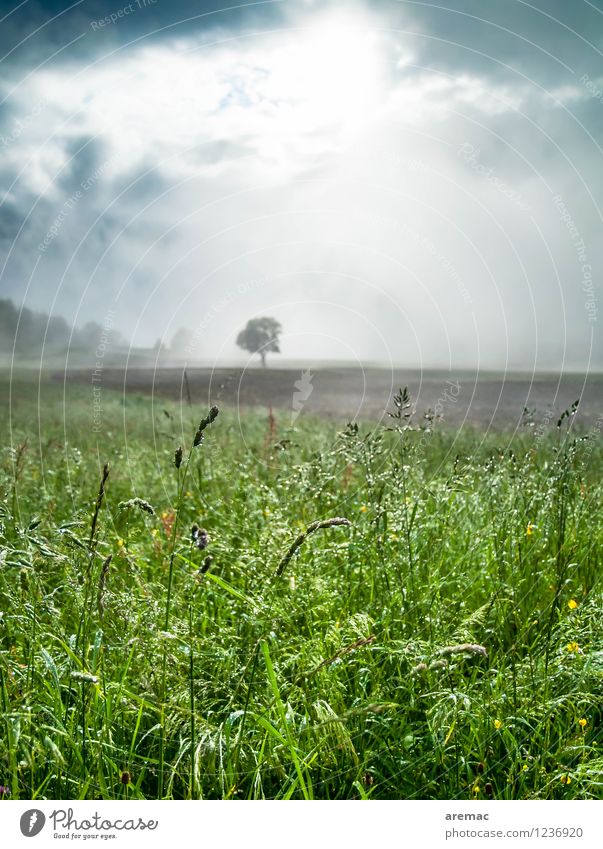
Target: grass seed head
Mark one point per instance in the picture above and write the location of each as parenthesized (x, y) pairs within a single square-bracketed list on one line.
[(137, 502), (213, 414), (209, 419), (84, 677), (200, 537), (312, 527), (100, 598), (470, 648)]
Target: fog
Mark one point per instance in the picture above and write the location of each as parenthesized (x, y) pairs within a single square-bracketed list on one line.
[(395, 183)]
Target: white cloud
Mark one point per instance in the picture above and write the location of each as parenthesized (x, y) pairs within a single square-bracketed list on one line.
[(323, 159), (285, 99)]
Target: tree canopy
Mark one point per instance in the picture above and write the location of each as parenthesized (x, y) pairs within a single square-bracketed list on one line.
[(260, 336), (181, 340), (29, 332)]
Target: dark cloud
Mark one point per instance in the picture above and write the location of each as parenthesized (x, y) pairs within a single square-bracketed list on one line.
[(10, 221), (35, 31), (539, 40)]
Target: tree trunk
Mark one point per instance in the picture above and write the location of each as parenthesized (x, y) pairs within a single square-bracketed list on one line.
[(263, 356)]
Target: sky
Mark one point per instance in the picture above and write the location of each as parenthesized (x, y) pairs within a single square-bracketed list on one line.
[(395, 181)]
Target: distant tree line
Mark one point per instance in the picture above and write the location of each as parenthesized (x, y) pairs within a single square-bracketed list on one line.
[(28, 331)]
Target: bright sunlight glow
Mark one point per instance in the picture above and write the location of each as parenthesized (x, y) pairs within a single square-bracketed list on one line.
[(329, 74)]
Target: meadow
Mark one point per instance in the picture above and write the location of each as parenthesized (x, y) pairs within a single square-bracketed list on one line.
[(182, 620)]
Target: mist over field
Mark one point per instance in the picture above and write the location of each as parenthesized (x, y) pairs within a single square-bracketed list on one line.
[(395, 183)]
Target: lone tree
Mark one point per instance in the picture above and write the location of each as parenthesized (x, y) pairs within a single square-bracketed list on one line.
[(260, 336), (181, 340)]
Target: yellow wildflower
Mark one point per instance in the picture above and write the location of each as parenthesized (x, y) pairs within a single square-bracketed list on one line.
[(573, 647), (120, 543), (582, 723), (364, 508), (497, 724), (566, 779), (530, 529), (476, 790), (572, 604)]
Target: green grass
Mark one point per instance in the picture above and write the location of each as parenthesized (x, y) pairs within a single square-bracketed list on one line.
[(358, 672)]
